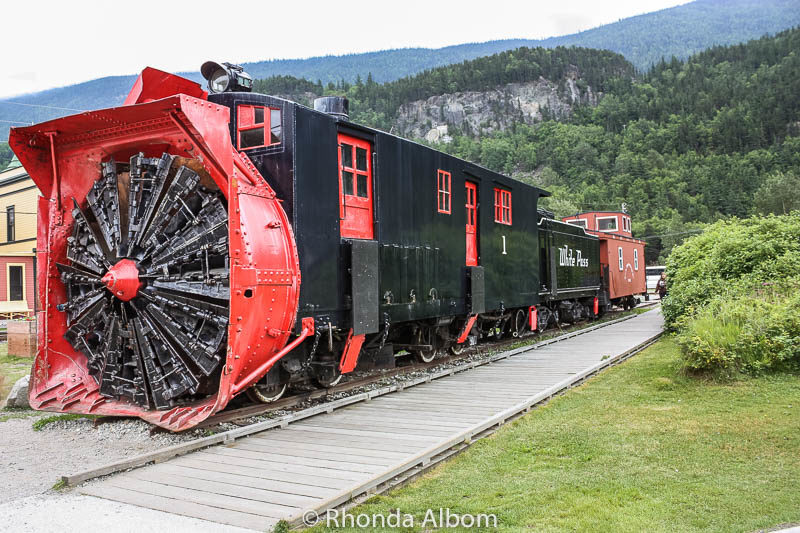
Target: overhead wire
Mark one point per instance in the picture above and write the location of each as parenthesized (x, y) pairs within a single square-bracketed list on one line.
[(41, 105), (32, 105), (671, 234)]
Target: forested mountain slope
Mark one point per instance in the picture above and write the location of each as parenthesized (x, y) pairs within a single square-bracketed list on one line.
[(643, 40), (378, 104), (684, 144), (713, 136)]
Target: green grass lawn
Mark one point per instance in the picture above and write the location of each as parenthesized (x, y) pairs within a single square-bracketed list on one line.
[(11, 369), (638, 448)]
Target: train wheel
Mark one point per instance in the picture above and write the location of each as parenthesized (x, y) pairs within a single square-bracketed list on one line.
[(457, 349), (425, 356), (266, 393), (327, 376), (425, 336), (520, 321)]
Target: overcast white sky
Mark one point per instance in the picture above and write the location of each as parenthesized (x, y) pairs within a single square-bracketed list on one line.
[(48, 43)]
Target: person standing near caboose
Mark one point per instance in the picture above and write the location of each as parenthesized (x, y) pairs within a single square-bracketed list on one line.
[(661, 286)]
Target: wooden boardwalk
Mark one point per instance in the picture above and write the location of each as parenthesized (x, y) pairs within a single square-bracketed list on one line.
[(327, 460)]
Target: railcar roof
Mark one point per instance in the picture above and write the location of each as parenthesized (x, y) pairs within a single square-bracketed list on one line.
[(367, 129)]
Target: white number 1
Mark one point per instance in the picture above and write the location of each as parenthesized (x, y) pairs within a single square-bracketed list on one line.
[(504, 245)]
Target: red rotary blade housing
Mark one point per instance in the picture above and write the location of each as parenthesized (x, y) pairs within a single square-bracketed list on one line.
[(64, 157)]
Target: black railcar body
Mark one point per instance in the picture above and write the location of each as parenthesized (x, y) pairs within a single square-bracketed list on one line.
[(413, 270), (570, 271)]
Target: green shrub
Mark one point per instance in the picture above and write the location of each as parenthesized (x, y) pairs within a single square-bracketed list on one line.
[(733, 296), (732, 257), (752, 332)]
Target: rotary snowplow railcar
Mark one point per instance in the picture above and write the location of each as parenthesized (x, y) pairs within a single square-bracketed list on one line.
[(157, 240), (173, 231)]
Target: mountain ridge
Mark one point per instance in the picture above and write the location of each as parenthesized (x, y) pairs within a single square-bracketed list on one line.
[(643, 39)]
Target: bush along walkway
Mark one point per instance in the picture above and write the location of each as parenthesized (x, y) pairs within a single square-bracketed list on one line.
[(734, 297)]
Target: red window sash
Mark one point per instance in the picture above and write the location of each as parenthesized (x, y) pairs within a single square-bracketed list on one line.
[(354, 170), (471, 205), (502, 206), (245, 121), (356, 212), (443, 183)]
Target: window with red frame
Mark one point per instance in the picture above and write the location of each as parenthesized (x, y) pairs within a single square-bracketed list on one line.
[(257, 126), (502, 206), (443, 179)]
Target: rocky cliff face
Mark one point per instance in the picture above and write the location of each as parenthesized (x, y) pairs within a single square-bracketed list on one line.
[(481, 113)]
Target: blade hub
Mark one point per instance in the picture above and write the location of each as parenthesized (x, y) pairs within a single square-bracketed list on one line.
[(123, 280)]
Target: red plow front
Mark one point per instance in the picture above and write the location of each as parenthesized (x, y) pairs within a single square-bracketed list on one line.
[(169, 277)]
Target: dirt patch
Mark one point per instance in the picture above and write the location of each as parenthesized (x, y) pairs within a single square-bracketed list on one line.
[(33, 461)]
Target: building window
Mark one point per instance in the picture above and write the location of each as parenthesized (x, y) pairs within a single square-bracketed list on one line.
[(620, 257), (635, 259), (443, 191), (607, 224), (626, 224), (502, 206), (258, 126), (10, 224), (16, 283)]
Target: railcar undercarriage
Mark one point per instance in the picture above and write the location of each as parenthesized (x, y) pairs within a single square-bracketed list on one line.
[(317, 363), (423, 340)]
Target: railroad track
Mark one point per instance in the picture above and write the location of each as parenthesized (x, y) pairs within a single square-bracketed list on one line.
[(302, 399)]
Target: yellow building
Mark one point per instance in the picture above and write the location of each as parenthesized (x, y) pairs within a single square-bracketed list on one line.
[(18, 202)]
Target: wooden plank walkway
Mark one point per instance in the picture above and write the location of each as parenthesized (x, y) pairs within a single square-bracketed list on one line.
[(326, 460)]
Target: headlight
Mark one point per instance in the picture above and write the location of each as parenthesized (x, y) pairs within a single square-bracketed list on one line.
[(219, 81), (224, 77)]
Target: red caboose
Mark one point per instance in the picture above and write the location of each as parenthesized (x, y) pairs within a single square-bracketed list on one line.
[(621, 256)]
